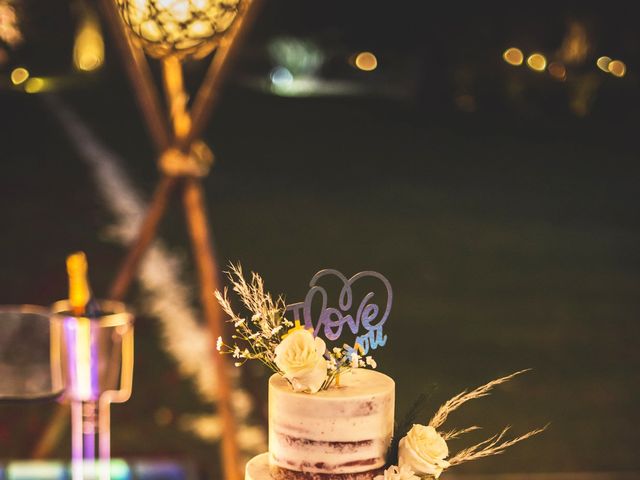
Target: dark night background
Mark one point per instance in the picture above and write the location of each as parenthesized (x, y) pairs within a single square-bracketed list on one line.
[(500, 202)]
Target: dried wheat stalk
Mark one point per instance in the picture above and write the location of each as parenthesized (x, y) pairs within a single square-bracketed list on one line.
[(463, 397), (491, 446), (457, 433)]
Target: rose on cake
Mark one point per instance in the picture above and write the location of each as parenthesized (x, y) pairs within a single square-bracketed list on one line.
[(300, 357), (423, 450)]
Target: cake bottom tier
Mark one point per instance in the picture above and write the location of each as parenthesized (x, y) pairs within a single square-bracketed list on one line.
[(259, 468)]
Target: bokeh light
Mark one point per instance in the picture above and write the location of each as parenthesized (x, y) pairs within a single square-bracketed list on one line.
[(19, 75), (537, 62), (513, 56), (281, 77), (9, 28), (163, 416), (34, 85), (575, 45), (603, 63), (617, 68), (300, 56), (366, 61), (88, 47), (557, 70)]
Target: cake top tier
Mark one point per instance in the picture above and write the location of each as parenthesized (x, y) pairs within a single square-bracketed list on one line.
[(354, 384)]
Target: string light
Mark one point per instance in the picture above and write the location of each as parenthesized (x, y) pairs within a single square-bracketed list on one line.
[(186, 28), (366, 61), (537, 62), (513, 56)]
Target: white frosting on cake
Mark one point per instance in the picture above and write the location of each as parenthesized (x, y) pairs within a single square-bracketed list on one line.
[(345, 429)]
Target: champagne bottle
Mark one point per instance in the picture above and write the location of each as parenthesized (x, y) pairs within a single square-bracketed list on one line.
[(81, 300), (82, 346)]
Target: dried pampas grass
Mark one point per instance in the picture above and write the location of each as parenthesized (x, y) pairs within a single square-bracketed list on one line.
[(494, 445)]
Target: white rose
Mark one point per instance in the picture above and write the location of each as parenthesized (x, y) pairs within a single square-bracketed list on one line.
[(300, 357), (395, 473), (424, 451)]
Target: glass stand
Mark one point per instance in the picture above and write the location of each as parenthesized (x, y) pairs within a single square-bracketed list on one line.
[(96, 364)]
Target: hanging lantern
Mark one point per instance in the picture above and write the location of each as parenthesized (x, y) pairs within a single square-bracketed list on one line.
[(182, 28)]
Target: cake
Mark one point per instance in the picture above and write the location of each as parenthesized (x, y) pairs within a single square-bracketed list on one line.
[(342, 433), (330, 416)]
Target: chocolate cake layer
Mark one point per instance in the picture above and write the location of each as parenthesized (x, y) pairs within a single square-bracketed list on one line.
[(279, 473), (297, 442), (259, 468)]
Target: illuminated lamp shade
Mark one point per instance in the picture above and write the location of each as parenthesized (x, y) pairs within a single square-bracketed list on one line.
[(184, 28)]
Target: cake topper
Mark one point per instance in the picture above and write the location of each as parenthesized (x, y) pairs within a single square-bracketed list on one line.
[(365, 318), (297, 351)]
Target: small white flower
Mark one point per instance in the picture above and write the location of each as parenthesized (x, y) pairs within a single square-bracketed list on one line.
[(276, 329), (255, 318), (236, 352), (287, 323), (395, 473), (239, 322), (238, 364), (354, 359), (219, 344), (246, 353), (371, 362)]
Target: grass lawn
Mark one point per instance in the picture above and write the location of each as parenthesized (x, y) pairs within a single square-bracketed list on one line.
[(510, 243)]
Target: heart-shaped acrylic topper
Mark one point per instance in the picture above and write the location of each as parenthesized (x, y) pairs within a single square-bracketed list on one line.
[(365, 319)]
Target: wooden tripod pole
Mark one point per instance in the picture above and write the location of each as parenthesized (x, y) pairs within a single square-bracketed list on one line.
[(185, 132), (193, 200), (198, 225)]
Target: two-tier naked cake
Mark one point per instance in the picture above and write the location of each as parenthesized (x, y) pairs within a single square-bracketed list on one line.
[(330, 417), (340, 433)]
